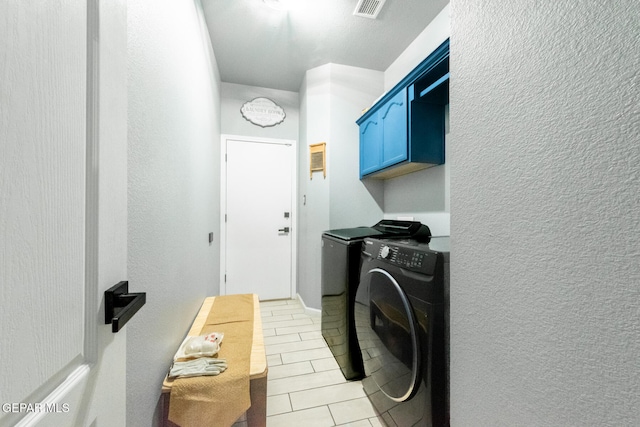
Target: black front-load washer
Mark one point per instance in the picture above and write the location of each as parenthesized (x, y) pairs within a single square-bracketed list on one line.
[(340, 273), (400, 311)]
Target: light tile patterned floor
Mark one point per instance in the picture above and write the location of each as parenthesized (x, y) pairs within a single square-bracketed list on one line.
[(305, 386)]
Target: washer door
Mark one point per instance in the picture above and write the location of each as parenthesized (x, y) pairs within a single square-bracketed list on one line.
[(387, 335)]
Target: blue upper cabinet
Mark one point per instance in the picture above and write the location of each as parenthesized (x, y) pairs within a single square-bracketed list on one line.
[(404, 131), (383, 135)]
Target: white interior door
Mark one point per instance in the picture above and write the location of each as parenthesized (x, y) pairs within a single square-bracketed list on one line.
[(62, 211), (259, 214)]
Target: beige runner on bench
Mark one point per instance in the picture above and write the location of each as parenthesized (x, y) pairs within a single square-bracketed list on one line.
[(219, 400)]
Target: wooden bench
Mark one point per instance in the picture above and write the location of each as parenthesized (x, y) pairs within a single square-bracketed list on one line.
[(256, 416)]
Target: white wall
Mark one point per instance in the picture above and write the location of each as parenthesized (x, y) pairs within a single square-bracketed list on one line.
[(174, 137), (313, 200), (545, 266), (436, 32), (233, 96), (332, 98), (353, 203), (422, 195)]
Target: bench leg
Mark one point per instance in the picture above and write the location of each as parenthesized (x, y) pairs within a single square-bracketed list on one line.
[(257, 413), (166, 397)]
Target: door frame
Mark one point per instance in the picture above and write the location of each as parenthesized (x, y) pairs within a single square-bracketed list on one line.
[(223, 205)]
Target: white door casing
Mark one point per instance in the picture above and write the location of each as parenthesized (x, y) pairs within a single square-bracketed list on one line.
[(62, 211), (258, 188)]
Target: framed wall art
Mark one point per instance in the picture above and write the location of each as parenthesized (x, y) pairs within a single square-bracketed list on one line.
[(318, 160)]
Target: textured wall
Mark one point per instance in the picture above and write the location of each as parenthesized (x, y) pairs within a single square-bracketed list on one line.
[(174, 137), (545, 213)]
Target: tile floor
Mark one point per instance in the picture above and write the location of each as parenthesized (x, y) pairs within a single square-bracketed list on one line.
[(305, 386)]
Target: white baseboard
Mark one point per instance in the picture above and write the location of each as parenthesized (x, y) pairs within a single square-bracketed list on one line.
[(309, 311)]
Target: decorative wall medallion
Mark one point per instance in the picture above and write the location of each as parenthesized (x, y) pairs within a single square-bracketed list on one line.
[(263, 112)]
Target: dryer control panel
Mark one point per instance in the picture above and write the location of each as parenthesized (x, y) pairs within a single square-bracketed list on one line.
[(408, 255)]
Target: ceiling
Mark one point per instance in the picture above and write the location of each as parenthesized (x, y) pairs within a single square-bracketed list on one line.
[(256, 45)]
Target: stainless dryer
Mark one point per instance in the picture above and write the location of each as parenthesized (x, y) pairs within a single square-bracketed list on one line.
[(400, 312)]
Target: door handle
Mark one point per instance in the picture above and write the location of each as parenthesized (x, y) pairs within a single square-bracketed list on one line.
[(120, 305), (284, 230)]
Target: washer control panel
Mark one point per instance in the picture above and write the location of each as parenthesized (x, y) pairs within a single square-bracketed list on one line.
[(403, 255)]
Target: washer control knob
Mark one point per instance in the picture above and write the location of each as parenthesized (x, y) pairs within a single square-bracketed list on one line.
[(385, 252)]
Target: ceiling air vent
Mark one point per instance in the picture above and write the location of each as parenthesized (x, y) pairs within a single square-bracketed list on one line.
[(369, 8)]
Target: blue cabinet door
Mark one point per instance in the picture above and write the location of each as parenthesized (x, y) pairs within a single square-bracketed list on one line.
[(370, 145), (383, 136), (393, 115)]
